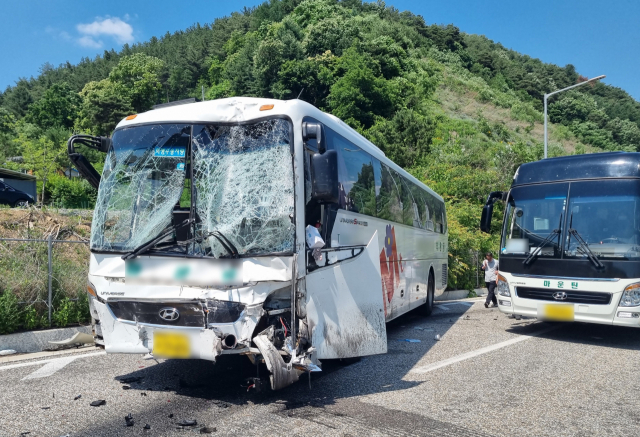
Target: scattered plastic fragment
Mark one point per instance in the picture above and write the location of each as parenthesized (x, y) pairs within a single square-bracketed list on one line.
[(207, 430), (77, 397), (7, 352), (411, 340), (171, 416), (147, 426), (46, 408), (25, 433), (143, 394), (98, 403), (129, 420), (437, 338), (125, 387), (187, 423)]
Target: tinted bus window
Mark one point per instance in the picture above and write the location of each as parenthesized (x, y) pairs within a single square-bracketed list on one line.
[(355, 173), (409, 210), (388, 202), (419, 206)]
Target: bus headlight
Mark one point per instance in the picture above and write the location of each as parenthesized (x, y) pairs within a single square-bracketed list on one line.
[(631, 296), (503, 286)]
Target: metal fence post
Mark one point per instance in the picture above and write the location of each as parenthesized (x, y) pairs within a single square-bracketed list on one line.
[(49, 250)]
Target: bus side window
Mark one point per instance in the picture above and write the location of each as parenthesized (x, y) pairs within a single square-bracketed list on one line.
[(388, 201), (408, 210), (419, 207), (355, 173)]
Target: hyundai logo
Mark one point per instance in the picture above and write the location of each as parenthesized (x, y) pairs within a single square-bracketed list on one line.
[(560, 295), (169, 314)]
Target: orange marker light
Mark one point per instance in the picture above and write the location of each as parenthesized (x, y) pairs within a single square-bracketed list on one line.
[(266, 107), (131, 117)]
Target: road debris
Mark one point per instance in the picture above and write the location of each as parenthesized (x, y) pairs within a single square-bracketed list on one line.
[(422, 328), (171, 416), (207, 430), (98, 403), (438, 337), (147, 426), (7, 352), (77, 397), (129, 420), (143, 394), (187, 423), (125, 387)]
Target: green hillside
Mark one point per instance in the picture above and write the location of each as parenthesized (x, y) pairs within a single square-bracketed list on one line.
[(458, 111)]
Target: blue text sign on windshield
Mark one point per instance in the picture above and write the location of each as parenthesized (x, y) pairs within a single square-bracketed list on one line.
[(169, 152)]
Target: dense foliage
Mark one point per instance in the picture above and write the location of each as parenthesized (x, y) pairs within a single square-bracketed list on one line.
[(459, 111)]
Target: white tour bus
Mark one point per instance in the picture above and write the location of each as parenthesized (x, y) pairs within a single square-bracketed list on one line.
[(570, 247), (202, 220)]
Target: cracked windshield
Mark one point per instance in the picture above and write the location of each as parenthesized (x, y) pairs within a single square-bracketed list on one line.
[(244, 188), (142, 180)]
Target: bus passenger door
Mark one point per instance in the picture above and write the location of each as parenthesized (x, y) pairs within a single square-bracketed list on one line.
[(345, 310)]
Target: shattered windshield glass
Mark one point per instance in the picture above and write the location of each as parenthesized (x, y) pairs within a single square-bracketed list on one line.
[(243, 177), (142, 181)]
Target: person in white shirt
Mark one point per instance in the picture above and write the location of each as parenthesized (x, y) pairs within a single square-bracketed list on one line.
[(490, 267)]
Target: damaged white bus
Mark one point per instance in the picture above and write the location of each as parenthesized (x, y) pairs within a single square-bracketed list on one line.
[(198, 241)]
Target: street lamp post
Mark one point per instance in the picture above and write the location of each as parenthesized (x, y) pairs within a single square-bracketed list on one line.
[(546, 97)]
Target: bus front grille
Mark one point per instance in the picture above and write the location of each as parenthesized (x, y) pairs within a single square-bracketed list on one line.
[(570, 296), (189, 314)]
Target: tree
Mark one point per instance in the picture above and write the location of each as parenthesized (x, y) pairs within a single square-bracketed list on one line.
[(360, 94), (104, 104), (58, 107), (138, 77)]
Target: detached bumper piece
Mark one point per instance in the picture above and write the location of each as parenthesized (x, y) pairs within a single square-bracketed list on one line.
[(187, 314)]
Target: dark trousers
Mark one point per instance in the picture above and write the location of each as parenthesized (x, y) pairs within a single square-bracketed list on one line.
[(491, 295)]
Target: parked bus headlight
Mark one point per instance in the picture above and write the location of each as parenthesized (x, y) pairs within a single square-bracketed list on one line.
[(503, 287), (631, 296)]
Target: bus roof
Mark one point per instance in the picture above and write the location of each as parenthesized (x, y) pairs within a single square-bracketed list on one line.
[(578, 167), (242, 109)]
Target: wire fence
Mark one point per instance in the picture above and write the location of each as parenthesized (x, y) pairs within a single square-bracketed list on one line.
[(44, 273)]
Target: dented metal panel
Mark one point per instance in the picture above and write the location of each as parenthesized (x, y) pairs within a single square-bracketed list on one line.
[(345, 311)]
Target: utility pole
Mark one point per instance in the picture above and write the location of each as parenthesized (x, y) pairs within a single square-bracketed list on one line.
[(546, 97)]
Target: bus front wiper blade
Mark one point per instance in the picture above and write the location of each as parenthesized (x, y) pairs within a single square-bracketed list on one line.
[(538, 249), (148, 246), (585, 248)]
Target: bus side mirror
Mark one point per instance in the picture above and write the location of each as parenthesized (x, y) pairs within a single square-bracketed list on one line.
[(105, 144), (314, 131), (324, 177), (487, 210), (485, 220)]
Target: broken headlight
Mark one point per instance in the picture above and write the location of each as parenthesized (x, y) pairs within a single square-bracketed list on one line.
[(222, 311)]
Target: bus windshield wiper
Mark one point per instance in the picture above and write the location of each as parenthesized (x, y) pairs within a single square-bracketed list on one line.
[(585, 248), (148, 246), (538, 249), (224, 242)]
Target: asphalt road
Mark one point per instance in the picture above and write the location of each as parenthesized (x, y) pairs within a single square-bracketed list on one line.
[(488, 376)]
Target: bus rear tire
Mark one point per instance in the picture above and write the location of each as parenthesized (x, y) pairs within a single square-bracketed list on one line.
[(427, 307)]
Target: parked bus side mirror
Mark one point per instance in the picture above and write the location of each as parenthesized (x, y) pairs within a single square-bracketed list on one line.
[(485, 220), (315, 131), (487, 210), (324, 177)]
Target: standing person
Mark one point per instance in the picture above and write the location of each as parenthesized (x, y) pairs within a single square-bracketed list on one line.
[(490, 267)]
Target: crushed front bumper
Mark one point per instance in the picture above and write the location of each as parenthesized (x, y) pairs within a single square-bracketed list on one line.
[(131, 338)]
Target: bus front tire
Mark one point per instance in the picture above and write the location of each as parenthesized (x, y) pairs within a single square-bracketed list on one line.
[(427, 308)]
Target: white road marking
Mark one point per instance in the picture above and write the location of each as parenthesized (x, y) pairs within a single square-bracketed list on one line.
[(439, 364), (443, 307), (50, 367)]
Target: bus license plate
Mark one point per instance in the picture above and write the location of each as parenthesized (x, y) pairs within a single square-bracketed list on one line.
[(168, 344), (556, 312)]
